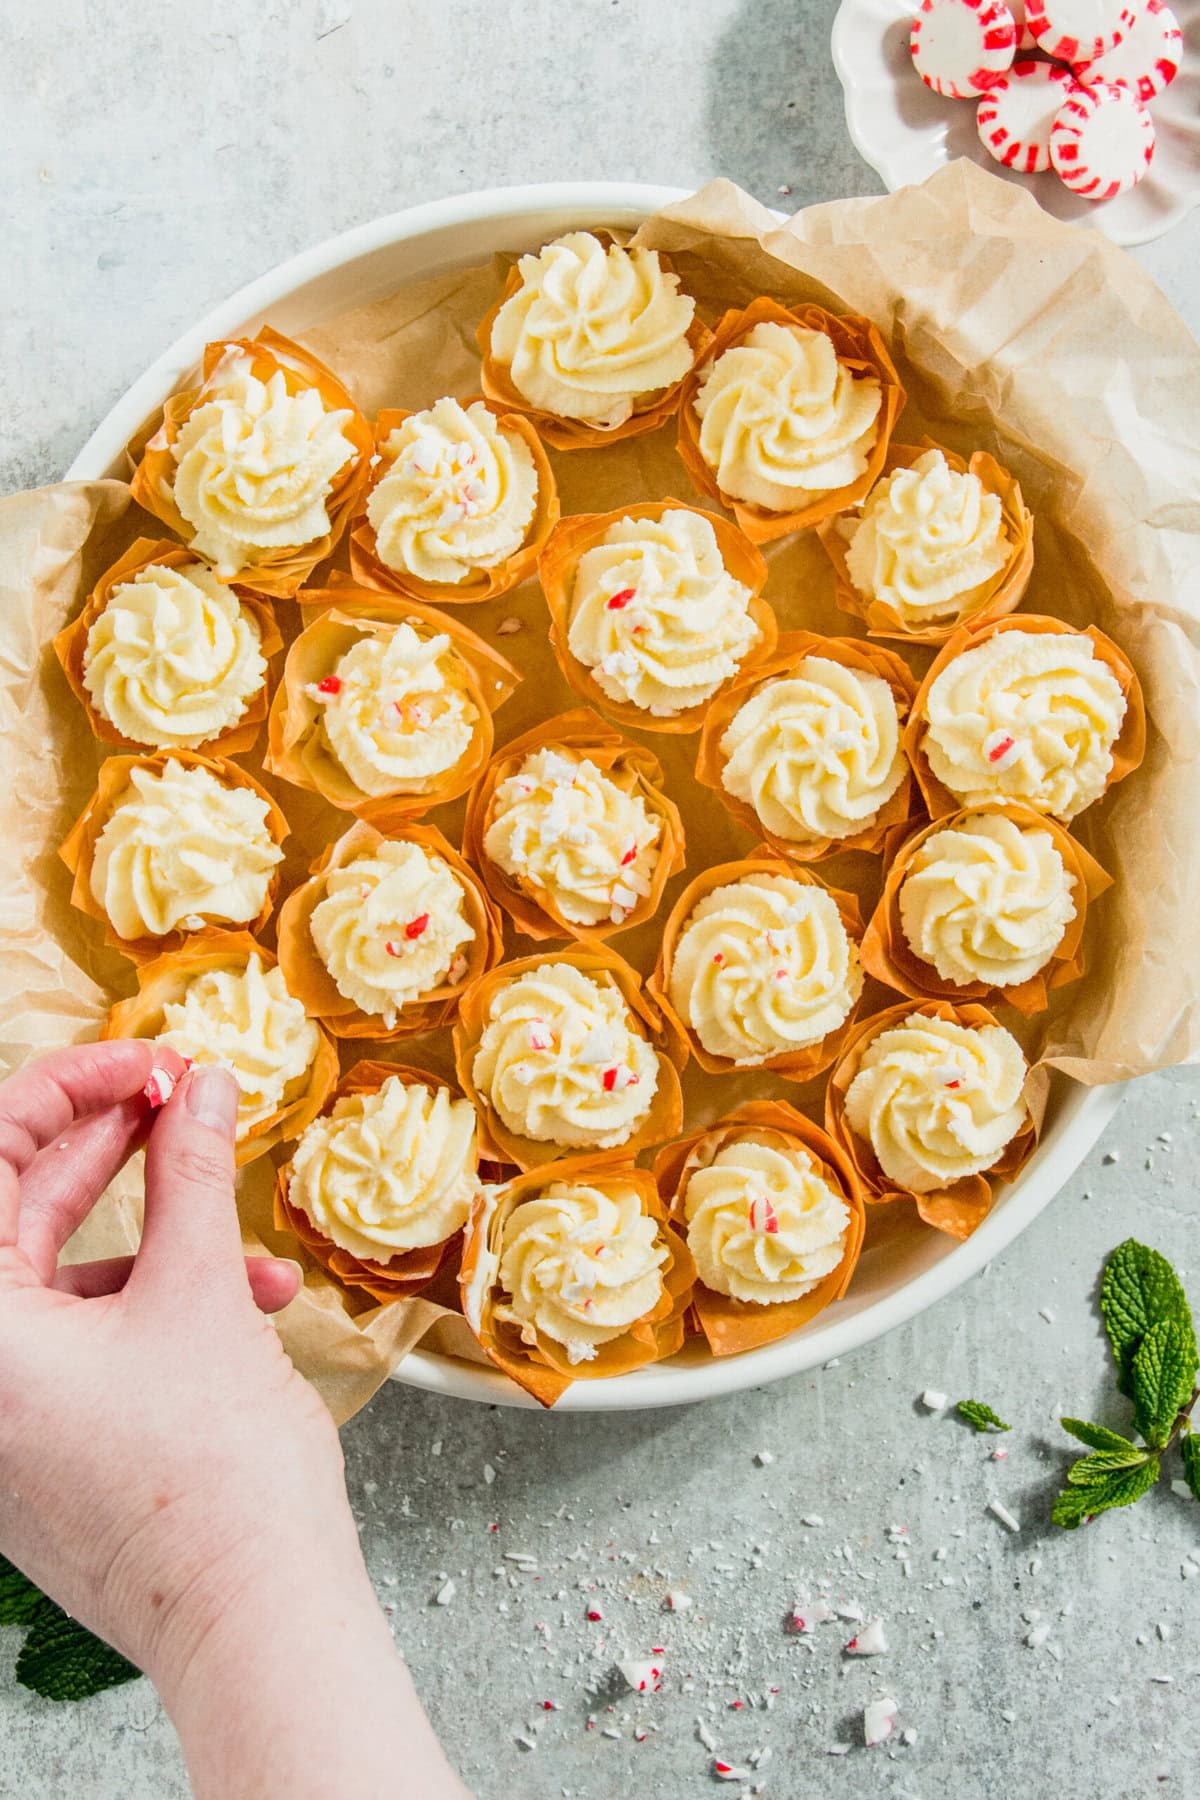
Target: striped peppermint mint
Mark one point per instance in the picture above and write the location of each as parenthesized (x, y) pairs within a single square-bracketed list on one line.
[(1016, 116), (1146, 60), (963, 47), (1102, 141), (1079, 30)]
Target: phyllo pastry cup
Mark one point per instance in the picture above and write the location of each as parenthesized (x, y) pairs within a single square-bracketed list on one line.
[(265, 458), (171, 681), (648, 625), (475, 486), (564, 1052), (771, 445), (942, 1102), (922, 544), (1011, 889), (1052, 731), (149, 851), (419, 746), (576, 352), (572, 1272), (621, 849), (778, 785), (402, 1177), (221, 999), (387, 977), (775, 1221), (759, 968)]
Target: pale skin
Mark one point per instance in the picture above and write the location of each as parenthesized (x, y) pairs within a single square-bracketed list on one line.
[(165, 1474)]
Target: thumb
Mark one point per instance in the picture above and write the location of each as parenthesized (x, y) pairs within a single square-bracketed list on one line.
[(191, 1224)]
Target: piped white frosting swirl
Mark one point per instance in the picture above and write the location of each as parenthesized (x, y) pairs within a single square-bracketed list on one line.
[(938, 1101), (782, 420), (457, 495), (815, 753), (763, 1224), (245, 1021), (591, 330), (929, 541), (764, 966), (388, 1172), (655, 614), (1029, 716), (400, 716), (174, 658)]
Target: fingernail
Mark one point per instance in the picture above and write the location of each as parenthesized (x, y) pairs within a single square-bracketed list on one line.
[(212, 1098)]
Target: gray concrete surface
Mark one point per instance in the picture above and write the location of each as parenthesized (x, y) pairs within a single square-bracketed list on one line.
[(153, 159)]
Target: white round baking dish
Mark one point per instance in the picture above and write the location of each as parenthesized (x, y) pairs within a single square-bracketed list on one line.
[(365, 264)]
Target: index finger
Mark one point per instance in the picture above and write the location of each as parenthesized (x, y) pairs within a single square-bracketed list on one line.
[(44, 1098)]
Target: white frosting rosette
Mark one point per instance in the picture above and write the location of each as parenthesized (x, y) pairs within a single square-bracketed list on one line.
[(587, 330), (929, 542), (763, 1224), (396, 712)]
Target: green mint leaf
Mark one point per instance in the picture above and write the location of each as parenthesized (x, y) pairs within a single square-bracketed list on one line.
[(19, 1599), (1121, 1487), (1190, 1446), (60, 1660), (1161, 1372), (1102, 1463), (1139, 1288), (980, 1415), (1097, 1437)]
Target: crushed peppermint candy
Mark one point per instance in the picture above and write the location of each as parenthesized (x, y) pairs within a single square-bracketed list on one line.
[(329, 684), (806, 1614), (617, 602), (763, 1217), (879, 1719), (870, 1641), (1002, 1513), (675, 1600), (728, 1772), (642, 1674), (1000, 748), (159, 1088), (933, 1400)]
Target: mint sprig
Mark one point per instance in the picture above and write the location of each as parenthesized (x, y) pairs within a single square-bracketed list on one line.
[(981, 1416), (59, 1659), (1153, 1338)]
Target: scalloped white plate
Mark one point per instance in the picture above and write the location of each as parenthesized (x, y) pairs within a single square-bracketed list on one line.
[(905, 131)]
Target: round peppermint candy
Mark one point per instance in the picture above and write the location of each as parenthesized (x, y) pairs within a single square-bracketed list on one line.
[(1024, 35), (963, 47), (1015, 117), (1079, 30), (1102, 141), (1147, 59)]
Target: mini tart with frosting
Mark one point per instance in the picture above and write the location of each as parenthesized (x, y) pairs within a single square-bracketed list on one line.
[(565, 1052), (759, 968), (654, 608), (928, 1103), (173, 844), (937, 543), (461, 502), (384, 713), (380, 1185), (260, 468), (386, 935), (221, 999), (572, 1272), (572, 831), (984, 903), (167, 657), (806, 747), (1027, 711), (773, 1216), (787, 417), (591, 339)]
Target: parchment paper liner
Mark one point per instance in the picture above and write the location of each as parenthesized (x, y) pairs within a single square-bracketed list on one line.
[(556, 571), (296, 747), (652, 410), (167, 978), (310, 981), (368, 567), (731, 1326), (959, 1208), (408, 1272), (71, 643), (859, 347), (1001, 595), (890, 821), (1127, 752), (887, 954), (280, 572), (78, 849), (792, 1065), (597, 960), (631, 766), (543, 1369)]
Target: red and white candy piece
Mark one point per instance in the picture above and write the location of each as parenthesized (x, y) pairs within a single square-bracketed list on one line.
[(963, 47), (1016, 116), (160, 1087), (1147, 58), (1078, 30), (1102, 141)]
